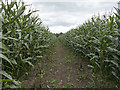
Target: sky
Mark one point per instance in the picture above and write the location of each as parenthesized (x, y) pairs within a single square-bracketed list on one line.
[(63, 15)]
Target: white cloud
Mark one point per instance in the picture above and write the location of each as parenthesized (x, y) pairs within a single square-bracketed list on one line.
[(63, 29), (62, 15), (71, 0)]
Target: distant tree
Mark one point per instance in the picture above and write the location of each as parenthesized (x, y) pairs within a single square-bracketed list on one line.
[(61, 33), (58, 34)]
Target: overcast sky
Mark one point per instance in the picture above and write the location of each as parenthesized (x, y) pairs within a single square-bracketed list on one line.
[(63, 15)]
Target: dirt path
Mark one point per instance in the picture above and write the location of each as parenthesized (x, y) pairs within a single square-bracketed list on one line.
[(60, 69), (64, 70)]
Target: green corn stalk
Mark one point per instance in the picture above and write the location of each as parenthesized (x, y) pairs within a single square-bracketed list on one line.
[(98, 39), (24, 40)]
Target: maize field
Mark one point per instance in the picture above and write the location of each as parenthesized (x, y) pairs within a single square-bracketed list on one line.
[(25, 41), (98, 40)]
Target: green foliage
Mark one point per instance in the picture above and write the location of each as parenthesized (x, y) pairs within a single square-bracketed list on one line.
[(98, 39), (52, 81), (58, 34), (24, 41)]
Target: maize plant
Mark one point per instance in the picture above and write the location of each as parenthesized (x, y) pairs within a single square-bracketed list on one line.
[(98, 39), (24, 41)]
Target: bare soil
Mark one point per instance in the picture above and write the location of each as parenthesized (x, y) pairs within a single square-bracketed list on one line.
[(64, 70), (60, 69)]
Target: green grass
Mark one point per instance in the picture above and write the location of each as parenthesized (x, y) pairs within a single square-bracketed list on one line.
[(69, 68), (51, 70), (68, 85), (82, 77), (52, 81), (54, 65), (55, 59), (68, 77), (68, 61), (67, 57)]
